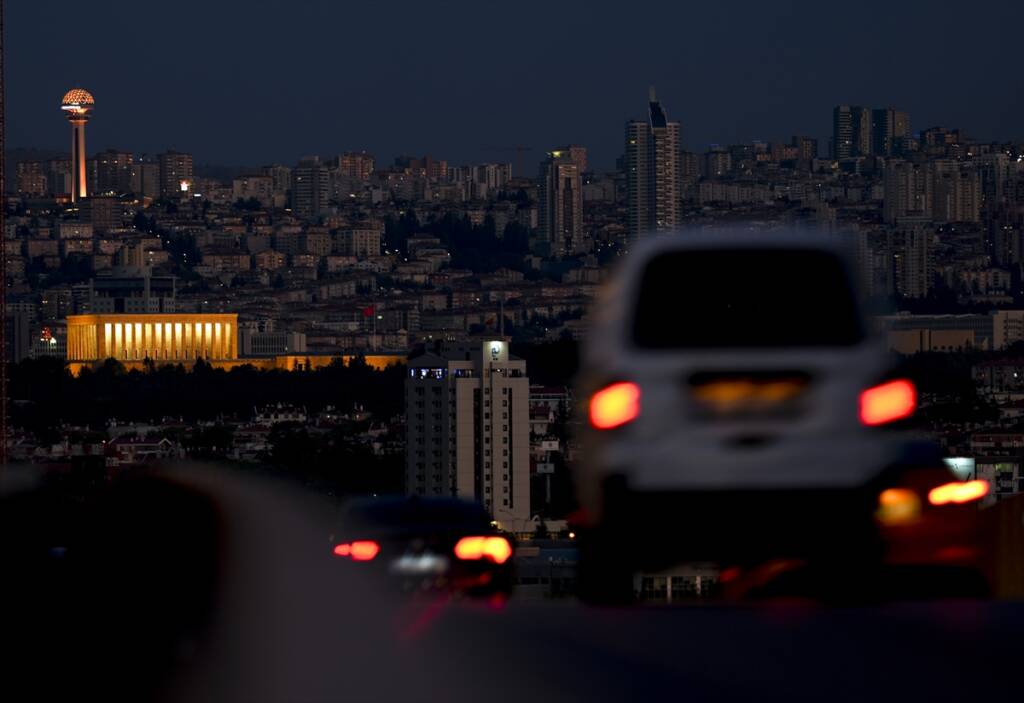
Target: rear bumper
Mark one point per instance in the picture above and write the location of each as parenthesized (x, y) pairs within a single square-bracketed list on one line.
[(658, 530), (724, 463), (734, 527), (949, 537), (456, 577)]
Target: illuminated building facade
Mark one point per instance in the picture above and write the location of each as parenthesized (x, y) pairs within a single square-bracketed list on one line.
[(652, 171), (561, 204), (161, 338), (358, 165), (31, 178), (114, 172), (77, 105), (183, 339), (468, 429), (176, 174)]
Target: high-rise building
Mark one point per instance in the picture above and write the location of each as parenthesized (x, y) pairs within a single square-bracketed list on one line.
[(578, 155), (428, 167), (908, 191), (561, 204), (495, 176), (888, 127), (113, 172), (176, 174), (652, 171), (897, 260), (17, 335), (145, 178), (956, 192), (480, 180), (851, 132), (31, 178), (91, 172), (361, 242), (689, 170), (260, 188), (914, 260), (103, 213), (281, 182), (717, 162), (58, 177), (875, 262), (942, 137), (994, 171), (311, 183), (468, 429), (78, 105), (356, 164), (807, 147)]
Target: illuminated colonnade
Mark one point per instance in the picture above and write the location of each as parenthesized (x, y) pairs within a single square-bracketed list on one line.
[(170, 337)]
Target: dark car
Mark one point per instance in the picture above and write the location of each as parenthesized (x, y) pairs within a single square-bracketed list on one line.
[(425, 544)]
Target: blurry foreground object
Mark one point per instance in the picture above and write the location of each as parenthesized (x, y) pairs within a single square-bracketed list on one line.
[(196, 583), (425, 545), (739, 411)]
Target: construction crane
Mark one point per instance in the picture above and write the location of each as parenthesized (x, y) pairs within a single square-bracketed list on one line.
[(519, 149)]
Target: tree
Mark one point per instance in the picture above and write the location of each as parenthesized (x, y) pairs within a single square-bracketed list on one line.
[(515, 239), (143, 223)]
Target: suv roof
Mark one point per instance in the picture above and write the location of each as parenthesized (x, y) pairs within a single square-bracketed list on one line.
[(615, 310)]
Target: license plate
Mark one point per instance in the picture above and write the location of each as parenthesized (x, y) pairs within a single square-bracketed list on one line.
[(420, 564), (741, 395)]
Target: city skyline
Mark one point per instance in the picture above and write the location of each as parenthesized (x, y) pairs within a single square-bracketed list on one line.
[(339, 335), (767, 88), (861, 132)]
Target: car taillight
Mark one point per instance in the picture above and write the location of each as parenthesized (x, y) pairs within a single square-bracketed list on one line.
[(898, 506), (361, 550), (888, 402), (615, 405), (492, 547), (958, 492)]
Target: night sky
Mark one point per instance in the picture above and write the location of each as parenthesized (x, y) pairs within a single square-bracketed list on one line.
[(248, 83)]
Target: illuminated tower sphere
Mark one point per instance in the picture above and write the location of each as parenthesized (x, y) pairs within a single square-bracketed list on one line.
[(77, 104)]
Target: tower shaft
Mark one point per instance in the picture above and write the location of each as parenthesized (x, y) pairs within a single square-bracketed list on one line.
[(78, 183)]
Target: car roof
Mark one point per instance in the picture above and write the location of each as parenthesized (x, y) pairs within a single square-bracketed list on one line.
[(734, 238), (612, 306)]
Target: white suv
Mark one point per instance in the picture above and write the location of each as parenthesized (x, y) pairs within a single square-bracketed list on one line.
[(734, 397)]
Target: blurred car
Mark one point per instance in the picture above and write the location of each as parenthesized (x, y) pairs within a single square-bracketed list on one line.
[(736, 412), (425, 544)]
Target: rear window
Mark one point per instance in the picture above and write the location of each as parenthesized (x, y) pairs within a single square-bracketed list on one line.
[(404, 512), (746, 298)]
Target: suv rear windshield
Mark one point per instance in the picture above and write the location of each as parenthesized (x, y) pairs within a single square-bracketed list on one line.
[(417, 511), (746, 298)]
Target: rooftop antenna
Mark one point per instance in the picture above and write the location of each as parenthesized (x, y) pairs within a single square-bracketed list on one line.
[(651, 95)]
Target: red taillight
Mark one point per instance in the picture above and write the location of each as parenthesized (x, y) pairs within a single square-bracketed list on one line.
[(495, 548), (361, 550), (898, 506), (615, 406), (958, 492), (888, 402)]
